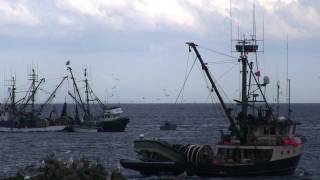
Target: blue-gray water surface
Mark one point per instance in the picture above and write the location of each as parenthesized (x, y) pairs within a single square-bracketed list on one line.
[(197, 124)]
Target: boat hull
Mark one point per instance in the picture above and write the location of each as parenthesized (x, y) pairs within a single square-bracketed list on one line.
[(81, 129), (42, 129), (168, 127), (273, 168), (116, 125), (153, 168)]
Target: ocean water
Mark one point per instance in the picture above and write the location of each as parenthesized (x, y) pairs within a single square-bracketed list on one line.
[(197, 124)]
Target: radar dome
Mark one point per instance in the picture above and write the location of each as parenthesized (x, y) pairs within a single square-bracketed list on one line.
[(266, 80)]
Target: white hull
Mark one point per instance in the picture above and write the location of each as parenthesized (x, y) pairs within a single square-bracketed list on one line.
[(43, 129)]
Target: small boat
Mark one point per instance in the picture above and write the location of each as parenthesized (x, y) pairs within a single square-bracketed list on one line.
[(167, 126)]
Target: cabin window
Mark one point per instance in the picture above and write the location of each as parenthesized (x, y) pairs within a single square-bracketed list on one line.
[(262, 155), (245, 153), (266, 131), (272, 130), (284, 130)]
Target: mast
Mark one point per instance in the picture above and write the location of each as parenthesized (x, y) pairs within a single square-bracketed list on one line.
[(278, 98), (244, 99), (226, 110), (289, 99), (288, 81), (34, 78), (87, 91), (244, 48), (13, 95), (32, 96), (64, 109), (77, 92)]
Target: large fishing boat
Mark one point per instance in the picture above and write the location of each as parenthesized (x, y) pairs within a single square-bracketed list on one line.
[(258, 142), (110, 118), (22, 115)]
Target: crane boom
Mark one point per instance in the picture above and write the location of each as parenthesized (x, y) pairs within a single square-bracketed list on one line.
[(233, 127), (80, 102), (52, 96), (32, 95)]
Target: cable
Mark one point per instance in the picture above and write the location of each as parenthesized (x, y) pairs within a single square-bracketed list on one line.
[(226, 72), (186, 74), (185, 80), (217, 52), (209, 89)]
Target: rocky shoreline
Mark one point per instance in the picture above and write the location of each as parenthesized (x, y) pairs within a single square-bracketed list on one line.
[(53, 168)]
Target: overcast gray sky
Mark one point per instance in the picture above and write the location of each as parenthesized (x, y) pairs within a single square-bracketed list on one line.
[(135, 49)]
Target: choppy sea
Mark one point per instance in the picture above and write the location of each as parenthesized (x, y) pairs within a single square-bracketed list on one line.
[(197, 124)]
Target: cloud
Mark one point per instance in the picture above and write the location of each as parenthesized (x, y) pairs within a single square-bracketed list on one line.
[(292, 17), (122, 14), (17, 13)]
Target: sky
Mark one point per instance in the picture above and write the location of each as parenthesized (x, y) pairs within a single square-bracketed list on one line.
[(135, 50)]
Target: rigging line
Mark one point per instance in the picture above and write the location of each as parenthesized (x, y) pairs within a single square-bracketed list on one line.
[(217, 52), (186, 74), (221, 62), (226, 72), (220, 87), (185, 80), (213, 99), (257, 65)]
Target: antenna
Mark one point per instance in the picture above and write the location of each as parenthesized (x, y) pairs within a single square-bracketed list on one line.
[(278, 98), (288, 80), (231, 27), (287, 69), (238, 31), (263, 33), (254, 18)]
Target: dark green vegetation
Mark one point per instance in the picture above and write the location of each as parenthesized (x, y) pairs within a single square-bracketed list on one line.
[(54, 169)]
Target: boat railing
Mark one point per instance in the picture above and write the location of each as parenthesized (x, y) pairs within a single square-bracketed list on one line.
[(270, 140)]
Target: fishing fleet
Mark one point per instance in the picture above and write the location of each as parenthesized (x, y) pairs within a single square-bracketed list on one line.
[(22, 114), (259, 141)]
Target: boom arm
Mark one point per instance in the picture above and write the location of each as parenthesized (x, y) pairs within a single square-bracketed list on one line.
[(74, 98), (80, 102), (103, 106), (30, 97), (52, 95), (233, 127)]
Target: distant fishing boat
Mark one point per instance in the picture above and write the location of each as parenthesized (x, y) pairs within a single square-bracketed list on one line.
[(168, 126), (259, 142), (111, 119), (16, 116)]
